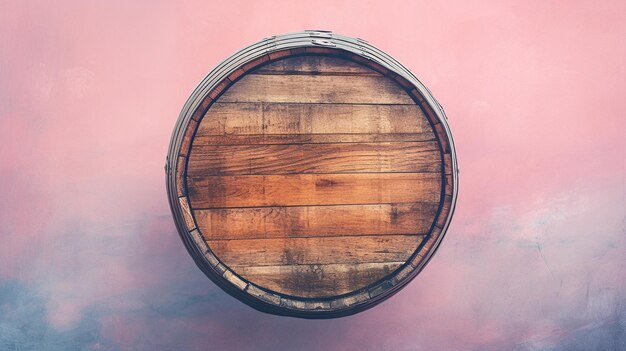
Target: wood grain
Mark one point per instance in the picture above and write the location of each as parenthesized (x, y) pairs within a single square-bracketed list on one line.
[(180, 176), (315, 65), (314, 158), (316, 89), (187, 138), (317, 280), (313, 189), (289, 118), (262, 139), (313, 176), (445, 209), (186, 212), (311, 221), (317, 250)]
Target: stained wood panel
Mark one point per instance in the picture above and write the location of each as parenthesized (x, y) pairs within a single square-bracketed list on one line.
[(288, 118), (316, 250), (267, 139), (317, 280), (315, 65), (314, 158), (310, 221), (313, 176), (316, 89), (313, 189)]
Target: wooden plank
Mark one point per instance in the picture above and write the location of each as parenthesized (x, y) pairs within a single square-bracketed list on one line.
[(315, 65), (289, 118), (278, 54), (346, 301), (443, 138), (232, 118), (263, 295), (445, 210), (313, 189), (180, 176), (184, 208), (235, 280), (220, 88), (371, 64), (256, 62), (310, 221), (447, 163), (319, 250), (201, 109), (310, 138), (314, 158), (317, 280), (449, 185), (316, 89), (187, 138), (434, 236)]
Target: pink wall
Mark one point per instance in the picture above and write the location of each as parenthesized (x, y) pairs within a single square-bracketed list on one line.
[(535, 256)]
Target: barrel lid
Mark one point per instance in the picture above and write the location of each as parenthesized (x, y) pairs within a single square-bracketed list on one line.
[(311, 175)]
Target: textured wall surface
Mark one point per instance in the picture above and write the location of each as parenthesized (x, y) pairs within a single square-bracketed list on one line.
[(535, 256)]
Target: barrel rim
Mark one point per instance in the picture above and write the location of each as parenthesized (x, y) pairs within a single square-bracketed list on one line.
[(311, 42)]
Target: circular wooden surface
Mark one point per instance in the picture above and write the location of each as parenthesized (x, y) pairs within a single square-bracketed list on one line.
[(312, 181)]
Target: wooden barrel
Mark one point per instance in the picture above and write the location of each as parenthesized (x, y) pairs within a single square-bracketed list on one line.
[(311, 175)]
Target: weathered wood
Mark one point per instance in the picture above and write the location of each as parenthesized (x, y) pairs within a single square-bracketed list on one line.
[(313, 176), (447, 163), (445, 145), (371, 64), (235, 280), (449, 185), (317, 280), (445, 209), (278, 54), (350, 300), (255, 63), (236, 74), (180, 176), (263, 295), (258, 139), (289, 118), (316, 250), (314, 158), (417, 260), (316, 89), (313, 189), (220, 88), (184, 208), (187, 138), (310, 221), (315, 65), (201, 109)]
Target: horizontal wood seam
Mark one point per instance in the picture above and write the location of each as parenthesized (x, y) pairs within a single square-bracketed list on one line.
[(321, 264), (328, 205), (297, 173), (322, 143), (322, 236), (228, 174), (316, 103)]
